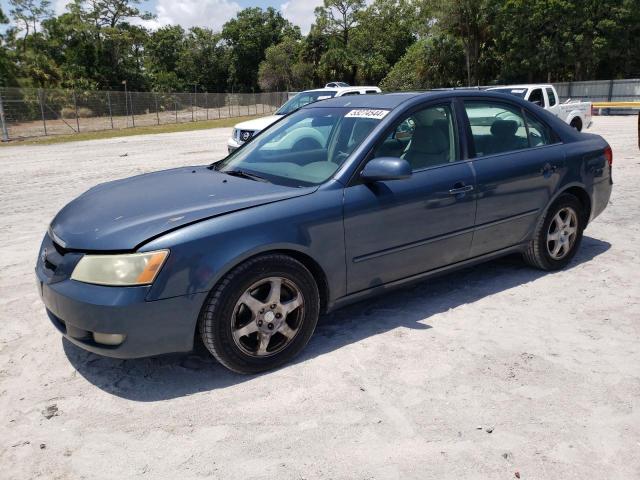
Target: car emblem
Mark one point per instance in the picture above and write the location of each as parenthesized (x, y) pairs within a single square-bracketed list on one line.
[(43, 255), (246, 136)]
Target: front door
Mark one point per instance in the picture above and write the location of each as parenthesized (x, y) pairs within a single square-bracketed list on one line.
[(397, 229), (518, 164)]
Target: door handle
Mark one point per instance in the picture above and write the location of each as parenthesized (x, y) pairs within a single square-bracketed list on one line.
[(548, 169), (460, 188)]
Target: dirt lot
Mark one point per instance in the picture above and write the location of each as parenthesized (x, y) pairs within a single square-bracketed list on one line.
[(481, 374)]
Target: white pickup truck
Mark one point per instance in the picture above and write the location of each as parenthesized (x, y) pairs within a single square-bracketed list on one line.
[(576, 114)]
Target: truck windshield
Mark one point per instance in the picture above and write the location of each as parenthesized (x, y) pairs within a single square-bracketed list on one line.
[(304, 149), (304, 98), (518, 92)]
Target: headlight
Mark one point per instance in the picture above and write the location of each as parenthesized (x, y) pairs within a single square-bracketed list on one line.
[(120, 270), (236, 134)]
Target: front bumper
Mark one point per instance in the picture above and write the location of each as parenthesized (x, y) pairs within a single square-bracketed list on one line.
[(79, 310)]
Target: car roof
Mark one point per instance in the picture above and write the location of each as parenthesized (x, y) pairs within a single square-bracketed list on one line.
[(339, 89), (391, 101), (385, 101)]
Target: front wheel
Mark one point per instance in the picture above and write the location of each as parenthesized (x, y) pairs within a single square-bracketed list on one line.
[(558, 235), (261, 314)]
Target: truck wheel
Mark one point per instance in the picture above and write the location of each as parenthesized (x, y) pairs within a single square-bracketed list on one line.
[(558, 235), (577, 124), (261, 314)]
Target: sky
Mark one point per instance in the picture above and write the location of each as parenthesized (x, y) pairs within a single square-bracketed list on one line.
[(211, 13)]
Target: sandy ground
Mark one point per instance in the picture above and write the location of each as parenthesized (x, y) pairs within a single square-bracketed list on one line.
[(481, 374)]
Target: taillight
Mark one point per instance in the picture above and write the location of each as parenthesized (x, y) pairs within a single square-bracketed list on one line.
[(608, 154)]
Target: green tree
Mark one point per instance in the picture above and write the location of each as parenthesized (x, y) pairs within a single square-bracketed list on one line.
[(163, 51), (386, 28), (7, 64), (248, 36), (204, 61), (468, 20), (337, 20), (283, 69), (432, 62), (27, 14)]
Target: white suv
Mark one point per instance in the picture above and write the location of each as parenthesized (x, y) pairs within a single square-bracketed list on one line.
[(243, 132)]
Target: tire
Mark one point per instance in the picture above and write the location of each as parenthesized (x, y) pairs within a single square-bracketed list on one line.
[(540, 252), (239, 314), (577, 124)]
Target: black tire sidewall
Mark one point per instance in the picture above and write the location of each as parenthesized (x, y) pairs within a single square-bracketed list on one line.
[(564, 201), (217, 313)]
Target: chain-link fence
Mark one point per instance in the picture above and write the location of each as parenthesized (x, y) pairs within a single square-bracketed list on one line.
[(28, 113), (601, 90)]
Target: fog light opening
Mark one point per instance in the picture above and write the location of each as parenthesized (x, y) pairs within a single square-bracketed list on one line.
[(110, 339)]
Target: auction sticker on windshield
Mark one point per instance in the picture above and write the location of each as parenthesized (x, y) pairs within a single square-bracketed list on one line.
[(362, 113)]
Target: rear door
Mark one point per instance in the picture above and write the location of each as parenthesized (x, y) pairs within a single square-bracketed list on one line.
[(518, 163), (397, 229)]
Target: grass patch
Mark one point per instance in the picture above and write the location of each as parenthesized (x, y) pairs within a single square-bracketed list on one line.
[(130, 132)]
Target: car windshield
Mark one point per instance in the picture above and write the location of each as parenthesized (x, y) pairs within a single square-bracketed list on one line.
[(305, 148), (304, 98), (518, 92)]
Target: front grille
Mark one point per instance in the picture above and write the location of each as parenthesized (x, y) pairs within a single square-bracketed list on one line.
[(56, 262), (53, 256), (246, 135)]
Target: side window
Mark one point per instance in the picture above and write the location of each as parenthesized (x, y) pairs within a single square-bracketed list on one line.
[(539, 133), (351, 93), (537, 97), (552, 97), (496, 127), (426, 138)]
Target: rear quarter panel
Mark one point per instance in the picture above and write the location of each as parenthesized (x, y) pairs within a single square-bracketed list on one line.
[(588, 168)]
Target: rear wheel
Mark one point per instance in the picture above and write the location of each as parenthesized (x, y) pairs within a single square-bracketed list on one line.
[(261, 314), (558, 235)]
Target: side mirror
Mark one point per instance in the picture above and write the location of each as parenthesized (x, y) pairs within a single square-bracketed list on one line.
[(385, 169)]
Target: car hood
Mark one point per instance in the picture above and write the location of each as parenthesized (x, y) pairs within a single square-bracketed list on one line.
[(121, 215), (258, 124)]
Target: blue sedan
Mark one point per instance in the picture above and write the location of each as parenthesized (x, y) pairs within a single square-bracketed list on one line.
[(336, 202)]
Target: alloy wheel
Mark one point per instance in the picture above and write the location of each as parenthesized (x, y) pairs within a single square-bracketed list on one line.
[(562, 233), (267, 317)]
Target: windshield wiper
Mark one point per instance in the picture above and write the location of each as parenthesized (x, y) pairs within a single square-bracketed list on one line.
[(245, 174)]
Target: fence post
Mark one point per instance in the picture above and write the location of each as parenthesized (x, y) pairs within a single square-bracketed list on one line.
[(206, 103), (133, 115), (44, 120), (155, 96), (175, 103), (3, 122), (218, 106), (75, 106), (229, 100), (610, 96), (193, 106), (110, 112)]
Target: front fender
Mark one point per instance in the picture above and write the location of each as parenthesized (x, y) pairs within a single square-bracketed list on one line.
[(202, 253)]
